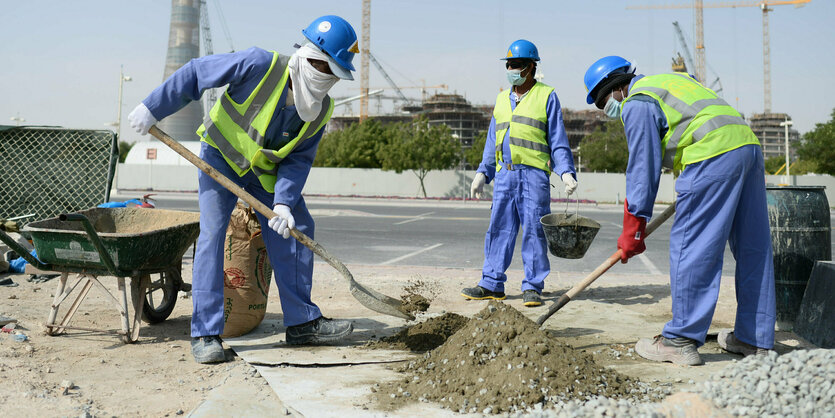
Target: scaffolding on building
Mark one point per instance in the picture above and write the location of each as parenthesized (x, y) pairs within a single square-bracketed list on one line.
[(772, 136)]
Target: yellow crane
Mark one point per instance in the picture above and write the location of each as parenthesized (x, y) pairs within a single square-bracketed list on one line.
[(698, 6)]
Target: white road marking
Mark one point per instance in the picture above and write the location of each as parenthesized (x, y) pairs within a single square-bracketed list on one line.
[(652, 269), (411, 254), (416, 218), (644, 259)]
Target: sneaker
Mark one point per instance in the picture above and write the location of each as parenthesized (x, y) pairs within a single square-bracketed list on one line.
[(728, 342), (480, 293), (207, 349), (676, 350), (318, 331), (531, 298)]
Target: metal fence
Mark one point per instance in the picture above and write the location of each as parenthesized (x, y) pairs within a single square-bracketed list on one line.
[(48, 171)]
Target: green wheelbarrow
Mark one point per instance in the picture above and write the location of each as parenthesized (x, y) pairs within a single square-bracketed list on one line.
[(137, 243)]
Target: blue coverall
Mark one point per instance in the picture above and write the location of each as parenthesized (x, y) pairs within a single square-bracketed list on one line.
[(721, 199), (292, 262), (521, 196)]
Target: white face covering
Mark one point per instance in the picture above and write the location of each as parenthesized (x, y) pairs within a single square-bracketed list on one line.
[(309, 84)]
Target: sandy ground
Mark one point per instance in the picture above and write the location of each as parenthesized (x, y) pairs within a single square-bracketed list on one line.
[(158, 377)]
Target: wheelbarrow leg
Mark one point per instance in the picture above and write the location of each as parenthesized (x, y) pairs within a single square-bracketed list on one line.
[(138, 287), (124, 312), (53, 311), (88, 283)]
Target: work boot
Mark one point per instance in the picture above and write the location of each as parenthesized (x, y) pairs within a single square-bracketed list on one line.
[(207, 349), (728, 342), (676, 350), (480, 293), (318, 331), (531, 298)]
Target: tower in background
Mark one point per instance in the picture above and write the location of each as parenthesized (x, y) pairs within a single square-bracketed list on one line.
[(183, 45)]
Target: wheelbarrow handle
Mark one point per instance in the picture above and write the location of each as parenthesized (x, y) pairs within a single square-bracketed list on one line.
[(94, 238), (602, 268), (23, 252)]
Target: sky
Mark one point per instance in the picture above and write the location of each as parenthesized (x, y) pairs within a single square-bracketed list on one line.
[(61, 59)]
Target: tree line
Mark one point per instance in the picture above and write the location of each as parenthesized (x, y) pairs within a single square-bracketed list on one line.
[(419, 147)]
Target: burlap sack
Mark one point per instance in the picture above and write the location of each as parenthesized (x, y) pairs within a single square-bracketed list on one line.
[(246, 274)]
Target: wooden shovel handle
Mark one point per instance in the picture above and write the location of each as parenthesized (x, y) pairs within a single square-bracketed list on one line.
[(244, 195), (602, 268)]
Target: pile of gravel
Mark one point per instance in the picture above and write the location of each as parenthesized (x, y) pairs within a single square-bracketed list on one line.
[(799, 383)]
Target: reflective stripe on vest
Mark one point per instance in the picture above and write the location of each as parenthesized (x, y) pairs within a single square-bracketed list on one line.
[(528, 125), (701, 125), (237, 130)]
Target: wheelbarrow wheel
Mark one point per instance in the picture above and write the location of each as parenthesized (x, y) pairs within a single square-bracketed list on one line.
[(161, 295)]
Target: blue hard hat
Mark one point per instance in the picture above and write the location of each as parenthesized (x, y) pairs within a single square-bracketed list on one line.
[(600, 70), (522, 49), (337, 38)]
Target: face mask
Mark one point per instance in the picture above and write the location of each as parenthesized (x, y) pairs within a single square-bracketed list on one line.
[(613, 107), (515, 77), (309, 84)]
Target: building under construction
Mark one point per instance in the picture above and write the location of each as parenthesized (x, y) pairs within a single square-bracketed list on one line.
[(772, 136), (464, 120)]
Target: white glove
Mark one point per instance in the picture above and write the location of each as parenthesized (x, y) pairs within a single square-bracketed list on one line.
[(141, 119), (570, 183), (477, 189), (283, 222)]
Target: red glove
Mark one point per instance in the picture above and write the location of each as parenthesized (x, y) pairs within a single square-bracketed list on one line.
[(631, 240)]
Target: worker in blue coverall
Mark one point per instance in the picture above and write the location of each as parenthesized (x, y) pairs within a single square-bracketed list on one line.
[(672, 121), (262, 134), (525, 141)]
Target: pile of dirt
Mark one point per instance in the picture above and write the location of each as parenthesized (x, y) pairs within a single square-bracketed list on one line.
[(417, 296), (423, 336), (501, 362)]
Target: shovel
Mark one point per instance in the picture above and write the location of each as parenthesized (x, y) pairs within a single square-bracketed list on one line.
[(579, 287), (371, 299)]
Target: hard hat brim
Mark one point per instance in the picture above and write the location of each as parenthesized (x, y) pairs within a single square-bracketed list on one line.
[(338, 70)]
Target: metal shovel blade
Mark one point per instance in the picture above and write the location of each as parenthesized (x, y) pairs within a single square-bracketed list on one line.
[(371, 299)]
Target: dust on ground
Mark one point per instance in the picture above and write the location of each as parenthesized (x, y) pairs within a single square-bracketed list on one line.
[(499, 362), (417, 296), (423, 336)]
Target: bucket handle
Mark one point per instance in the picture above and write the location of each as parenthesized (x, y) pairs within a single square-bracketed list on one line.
[(576, 211)]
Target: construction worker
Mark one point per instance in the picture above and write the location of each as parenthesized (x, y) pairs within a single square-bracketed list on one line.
[(672, 121), (525, 141), (263, 134)]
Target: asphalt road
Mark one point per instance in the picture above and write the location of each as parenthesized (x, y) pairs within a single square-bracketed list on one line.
[(448, 234)]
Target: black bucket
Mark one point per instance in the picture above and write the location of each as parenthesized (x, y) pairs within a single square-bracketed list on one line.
[(569, 235), (800, 235)]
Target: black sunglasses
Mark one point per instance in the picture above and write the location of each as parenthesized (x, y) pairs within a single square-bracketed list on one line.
[(516, 64)]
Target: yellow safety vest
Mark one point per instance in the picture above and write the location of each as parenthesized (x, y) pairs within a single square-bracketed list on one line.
[(528, 125), (701, 124), (237, 130)]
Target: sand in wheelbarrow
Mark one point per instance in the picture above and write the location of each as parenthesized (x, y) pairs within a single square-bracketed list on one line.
[(501, 362)]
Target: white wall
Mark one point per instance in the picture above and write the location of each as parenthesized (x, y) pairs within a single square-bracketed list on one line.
[(600, 187)]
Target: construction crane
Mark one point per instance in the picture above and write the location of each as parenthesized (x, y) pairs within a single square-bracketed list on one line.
[(764, 5), (365, 48), (422, 88), (388, 79), (688, 60), (206, 32)]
